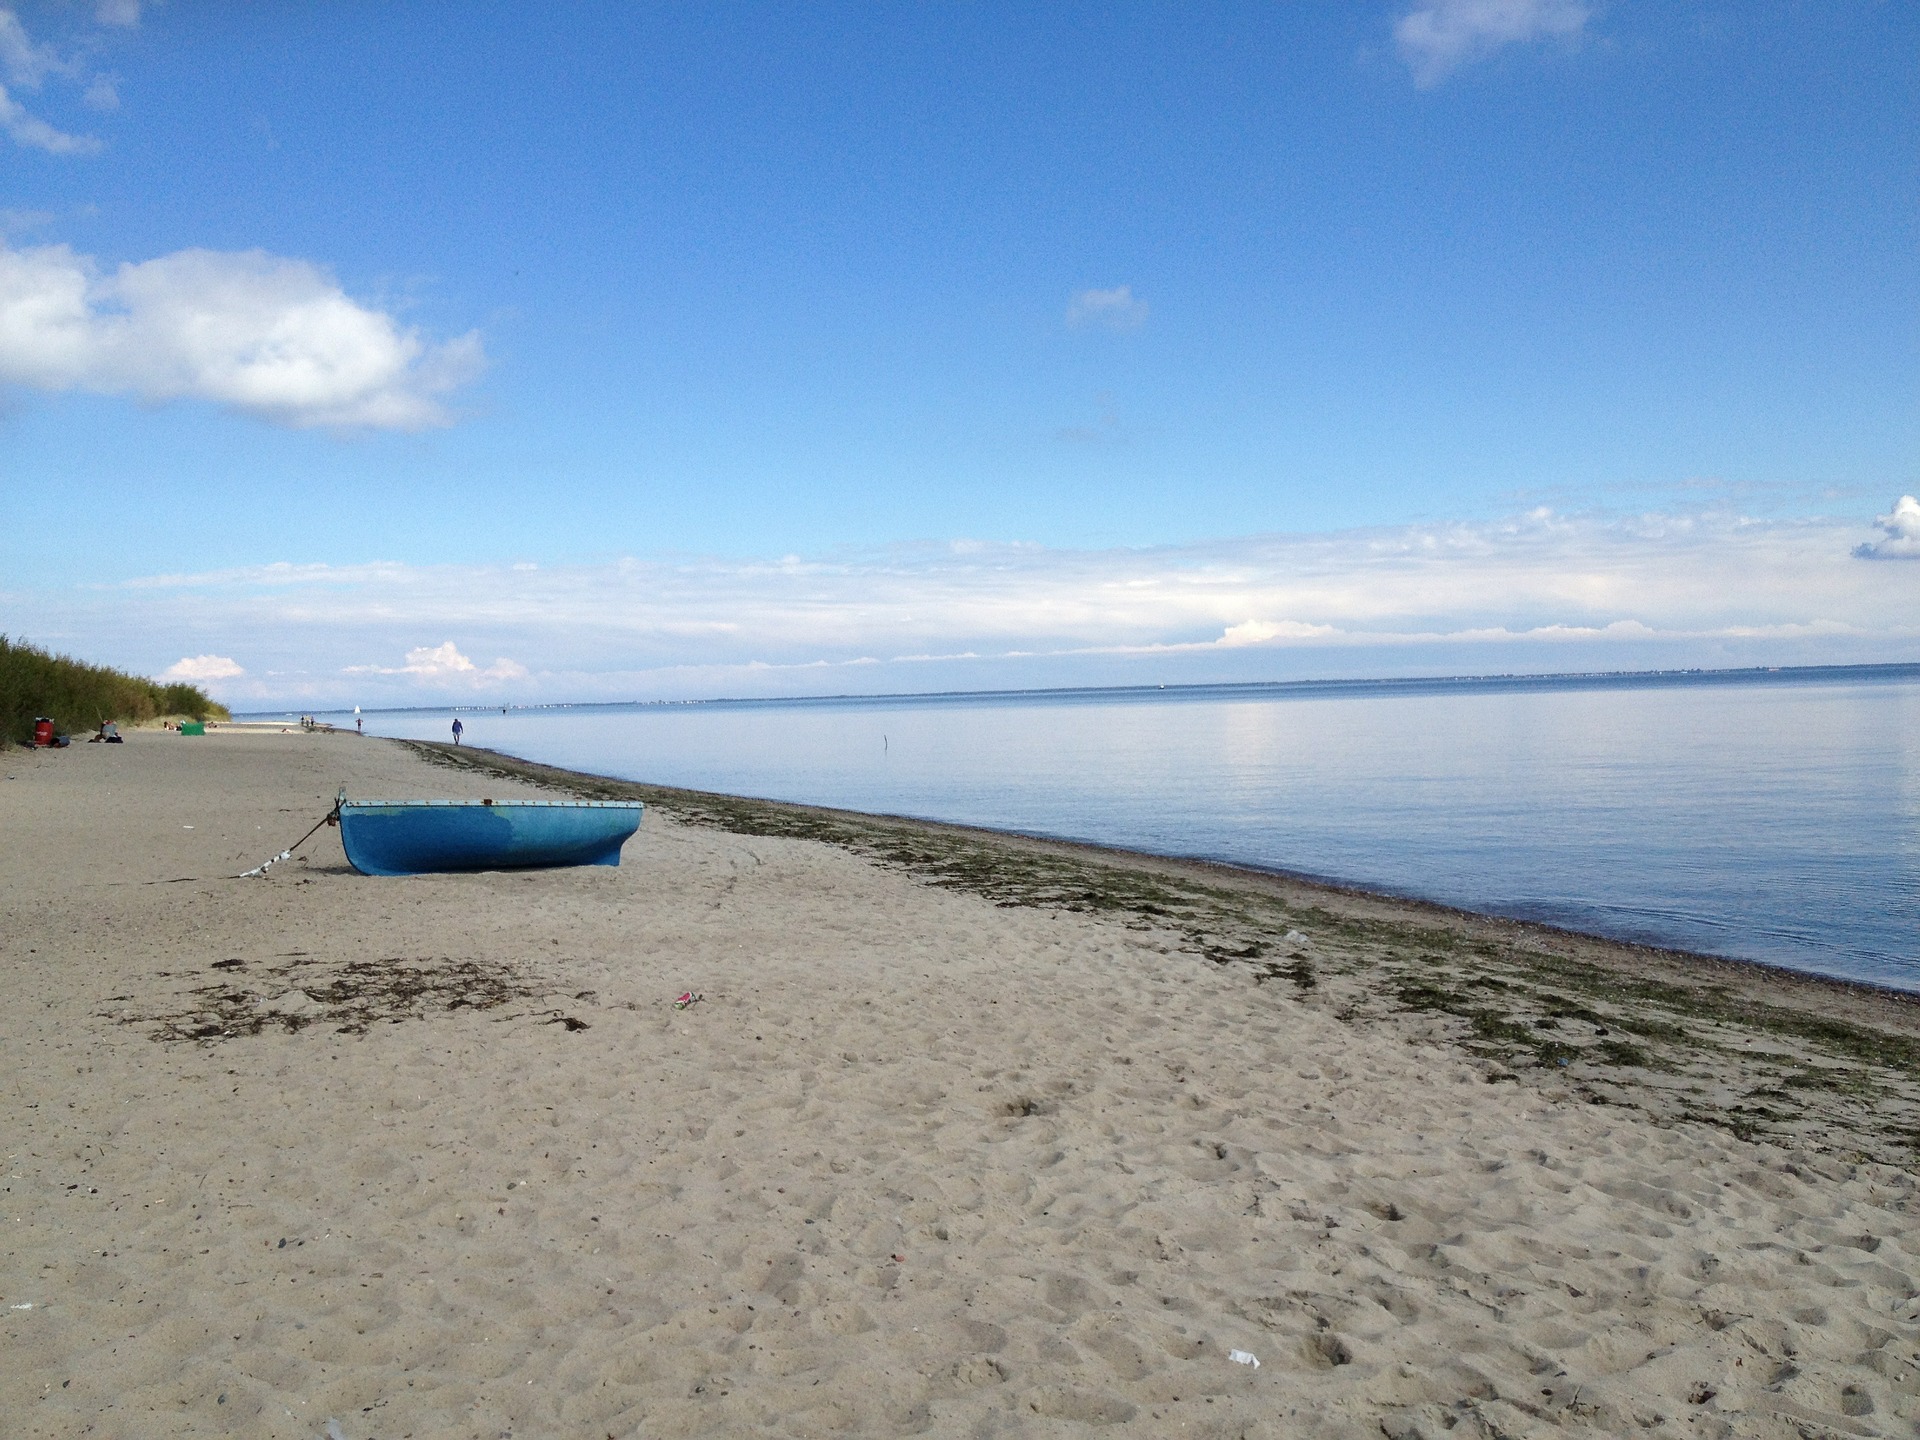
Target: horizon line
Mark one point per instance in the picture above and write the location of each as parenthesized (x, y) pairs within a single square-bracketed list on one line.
[(1679, 674)]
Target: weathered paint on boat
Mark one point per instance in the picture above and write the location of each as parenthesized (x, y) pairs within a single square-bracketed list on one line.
[(417, 837)]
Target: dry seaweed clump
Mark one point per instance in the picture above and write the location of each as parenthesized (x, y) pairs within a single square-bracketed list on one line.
[(292, 992)]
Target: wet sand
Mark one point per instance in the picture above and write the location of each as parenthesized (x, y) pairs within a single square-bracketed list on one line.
[(968, 1136)]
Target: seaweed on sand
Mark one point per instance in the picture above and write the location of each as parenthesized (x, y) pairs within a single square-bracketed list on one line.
[(1681, 1037), (249, 999)]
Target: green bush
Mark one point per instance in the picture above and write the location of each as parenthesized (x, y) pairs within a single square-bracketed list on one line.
[(77, 697)]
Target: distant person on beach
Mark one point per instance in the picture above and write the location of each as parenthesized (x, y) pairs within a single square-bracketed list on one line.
[(457, 728), (356, 726)]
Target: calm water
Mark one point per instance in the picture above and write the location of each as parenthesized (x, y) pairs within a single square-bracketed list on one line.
[(1772, 817)]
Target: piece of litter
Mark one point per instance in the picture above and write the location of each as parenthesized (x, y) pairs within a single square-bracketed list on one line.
[(1244, 1357), (689, 997), (27, 1306), (334, 1432)]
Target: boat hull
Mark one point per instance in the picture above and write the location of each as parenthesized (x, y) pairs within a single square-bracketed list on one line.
[(421, 837)]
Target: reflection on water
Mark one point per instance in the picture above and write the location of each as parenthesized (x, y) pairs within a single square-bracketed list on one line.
[(1776, 819)]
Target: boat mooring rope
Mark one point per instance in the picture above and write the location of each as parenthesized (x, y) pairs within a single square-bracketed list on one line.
[(332, 817)]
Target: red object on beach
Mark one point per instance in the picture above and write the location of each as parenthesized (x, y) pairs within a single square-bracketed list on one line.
[(683, 1001), (43, 732)]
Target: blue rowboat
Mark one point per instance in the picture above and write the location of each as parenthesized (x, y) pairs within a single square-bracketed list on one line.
[(417, 837)]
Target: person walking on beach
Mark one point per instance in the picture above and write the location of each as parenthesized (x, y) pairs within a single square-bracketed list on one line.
[(457, 728), (356, 726)]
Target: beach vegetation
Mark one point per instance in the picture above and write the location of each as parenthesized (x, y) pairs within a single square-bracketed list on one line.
[(78, 697)]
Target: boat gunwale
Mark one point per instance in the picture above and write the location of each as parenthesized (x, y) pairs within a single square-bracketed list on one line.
[(494, 804)]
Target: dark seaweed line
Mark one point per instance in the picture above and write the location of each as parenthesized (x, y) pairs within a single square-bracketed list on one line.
[(1513, 1002)]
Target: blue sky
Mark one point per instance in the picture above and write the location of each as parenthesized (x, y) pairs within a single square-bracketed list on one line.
[(387, 354)]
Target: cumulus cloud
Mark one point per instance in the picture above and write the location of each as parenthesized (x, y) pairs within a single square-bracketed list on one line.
[(442, 663), (1263, 632), (1902, 531), (196, 668), (1437, 37), (271, 337), (1114, 309)]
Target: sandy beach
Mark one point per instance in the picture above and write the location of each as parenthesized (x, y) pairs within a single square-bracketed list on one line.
[(968, 1135)]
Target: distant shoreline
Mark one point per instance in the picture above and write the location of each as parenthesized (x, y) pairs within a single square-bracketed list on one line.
[(1570, 680)]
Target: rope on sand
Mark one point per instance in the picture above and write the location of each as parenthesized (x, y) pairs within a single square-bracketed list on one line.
[(332, 817)]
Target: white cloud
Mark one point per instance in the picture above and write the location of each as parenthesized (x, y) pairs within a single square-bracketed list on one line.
[(124, 13), (1114, 309), (36, 134), (272, 337), (1902, 528), (24, 62), (103, 94), (196, 668), (442, 663), (28, 66), (1262, 632), (1541, 590), (1436, 37)]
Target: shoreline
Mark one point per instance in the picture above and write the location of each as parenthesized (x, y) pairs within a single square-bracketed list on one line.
[(1783, 1055), (1763, 970), (950, 1133)]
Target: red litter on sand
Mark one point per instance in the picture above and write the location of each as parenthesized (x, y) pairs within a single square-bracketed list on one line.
[(689, 997)]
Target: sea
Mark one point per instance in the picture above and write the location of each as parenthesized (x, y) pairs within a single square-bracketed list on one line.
[(1765, 815)]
